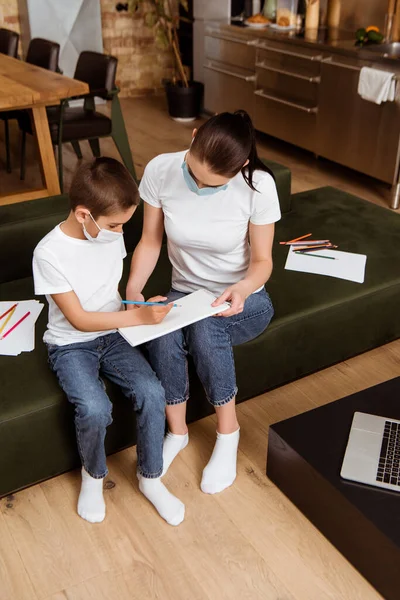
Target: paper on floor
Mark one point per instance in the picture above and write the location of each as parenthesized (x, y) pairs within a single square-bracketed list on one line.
[(22, 339), (348, 265)]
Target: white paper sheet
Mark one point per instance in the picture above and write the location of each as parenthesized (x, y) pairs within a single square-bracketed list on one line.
[(348, 265), (192, 308), (22, 339)]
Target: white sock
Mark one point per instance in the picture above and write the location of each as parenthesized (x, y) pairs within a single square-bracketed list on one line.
[(168, 506), (220, 471), (91, 505), (173, 444)]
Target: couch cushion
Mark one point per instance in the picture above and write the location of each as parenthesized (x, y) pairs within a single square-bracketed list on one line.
[(321, 320)]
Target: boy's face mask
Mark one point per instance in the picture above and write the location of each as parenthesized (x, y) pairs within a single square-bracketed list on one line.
[(193, 187), (105, 236)]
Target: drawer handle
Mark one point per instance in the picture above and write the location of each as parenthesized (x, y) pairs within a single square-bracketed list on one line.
[(227, 38), (262, 65), (329, 61), (231, 73), (310, 110), (315, 57)]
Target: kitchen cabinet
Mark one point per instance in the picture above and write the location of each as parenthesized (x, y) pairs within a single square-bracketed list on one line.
[(351, 131), (229, 73), (306, 94), (286, 94)]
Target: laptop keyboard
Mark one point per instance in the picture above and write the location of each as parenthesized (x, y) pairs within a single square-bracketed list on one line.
[(388, 469)]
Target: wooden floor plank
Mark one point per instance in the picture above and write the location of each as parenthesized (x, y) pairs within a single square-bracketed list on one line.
[(14, 580)]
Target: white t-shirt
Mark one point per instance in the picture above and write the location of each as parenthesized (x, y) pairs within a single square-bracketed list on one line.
[(92, 270), (208, 242)]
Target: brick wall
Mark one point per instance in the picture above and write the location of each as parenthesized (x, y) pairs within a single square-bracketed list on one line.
[(141, 65), (9, 15)]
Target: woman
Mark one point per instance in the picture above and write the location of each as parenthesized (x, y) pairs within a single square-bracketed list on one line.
[(218, 204)]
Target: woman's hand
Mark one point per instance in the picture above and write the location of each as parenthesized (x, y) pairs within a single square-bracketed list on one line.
[(236, 295), (136, 297)]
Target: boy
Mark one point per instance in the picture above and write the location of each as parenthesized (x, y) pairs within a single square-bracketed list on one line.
[(78, 266)]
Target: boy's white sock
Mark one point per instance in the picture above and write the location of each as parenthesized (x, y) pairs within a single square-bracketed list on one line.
[(91, 505), (173, 444), (168, 506), (220, 471)]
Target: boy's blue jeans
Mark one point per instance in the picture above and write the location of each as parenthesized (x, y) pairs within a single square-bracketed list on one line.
[(210, 343), (79, 367)]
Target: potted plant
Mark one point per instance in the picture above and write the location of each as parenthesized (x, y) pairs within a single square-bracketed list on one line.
[(184, 96)]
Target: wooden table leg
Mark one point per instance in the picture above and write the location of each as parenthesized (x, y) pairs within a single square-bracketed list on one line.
[(48, 163)]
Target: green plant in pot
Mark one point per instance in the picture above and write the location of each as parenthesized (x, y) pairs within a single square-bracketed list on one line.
[(162, 16)]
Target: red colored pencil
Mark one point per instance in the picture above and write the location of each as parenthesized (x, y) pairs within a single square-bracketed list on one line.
[(16, 325), (8, 311)]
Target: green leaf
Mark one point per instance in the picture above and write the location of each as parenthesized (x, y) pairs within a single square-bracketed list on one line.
[(150, 19), (161, 39), (133, 5), (185, 5)]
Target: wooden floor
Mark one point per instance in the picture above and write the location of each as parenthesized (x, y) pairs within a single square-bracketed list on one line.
[(248, 543)]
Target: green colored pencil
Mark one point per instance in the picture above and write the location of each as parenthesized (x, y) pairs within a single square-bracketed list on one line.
[(316, 255)]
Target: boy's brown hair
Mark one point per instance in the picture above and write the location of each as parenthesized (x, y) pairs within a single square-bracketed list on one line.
[(103, 186)]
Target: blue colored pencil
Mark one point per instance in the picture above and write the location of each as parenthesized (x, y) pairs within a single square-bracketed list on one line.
[(148, 303)]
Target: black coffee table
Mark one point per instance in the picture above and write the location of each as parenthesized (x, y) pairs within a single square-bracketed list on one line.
[(305, 456)]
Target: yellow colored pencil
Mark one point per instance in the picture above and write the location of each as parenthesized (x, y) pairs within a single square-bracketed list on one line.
[(7, 319)]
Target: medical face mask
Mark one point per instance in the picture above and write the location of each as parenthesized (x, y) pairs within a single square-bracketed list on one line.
[(105, 236), (193, 187)]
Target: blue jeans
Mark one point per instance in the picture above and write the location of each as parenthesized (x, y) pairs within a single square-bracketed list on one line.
[(210, 344), (78, 368)]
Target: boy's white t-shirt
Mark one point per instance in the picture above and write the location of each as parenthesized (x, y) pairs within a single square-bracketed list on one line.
[(208, 242), (91, 270)]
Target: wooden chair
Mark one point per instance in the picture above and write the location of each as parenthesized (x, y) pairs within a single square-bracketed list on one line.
[(75, 124)]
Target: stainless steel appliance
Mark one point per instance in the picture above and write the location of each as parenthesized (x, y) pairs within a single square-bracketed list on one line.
[(206, 13)]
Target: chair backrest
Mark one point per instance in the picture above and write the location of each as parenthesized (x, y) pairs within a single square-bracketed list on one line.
[(43, 53), (97, 70), (9, 42)]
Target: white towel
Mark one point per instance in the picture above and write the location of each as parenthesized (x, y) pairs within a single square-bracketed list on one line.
[(377, 86)]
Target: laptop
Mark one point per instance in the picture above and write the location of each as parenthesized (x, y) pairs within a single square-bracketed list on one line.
[(373, 452)]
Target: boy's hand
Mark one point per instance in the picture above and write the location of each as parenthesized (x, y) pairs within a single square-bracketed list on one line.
[(151, 315)]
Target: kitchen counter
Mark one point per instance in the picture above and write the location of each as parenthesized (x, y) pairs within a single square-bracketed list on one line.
[(343, 44), (305, 92)]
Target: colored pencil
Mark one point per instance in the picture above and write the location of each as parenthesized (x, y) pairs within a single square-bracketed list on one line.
[(10, 314), (16, 325), (302, 237), (148, 303), (317, 255), (310, 243), (296, 239), (314, 248), (9, 310)]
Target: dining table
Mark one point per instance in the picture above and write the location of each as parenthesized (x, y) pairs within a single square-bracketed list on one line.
[(25, 86)]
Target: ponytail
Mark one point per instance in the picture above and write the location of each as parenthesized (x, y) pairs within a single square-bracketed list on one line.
[(255, 164), (225, 142)]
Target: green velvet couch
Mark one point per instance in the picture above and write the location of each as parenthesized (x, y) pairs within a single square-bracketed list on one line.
[(318, 321)]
